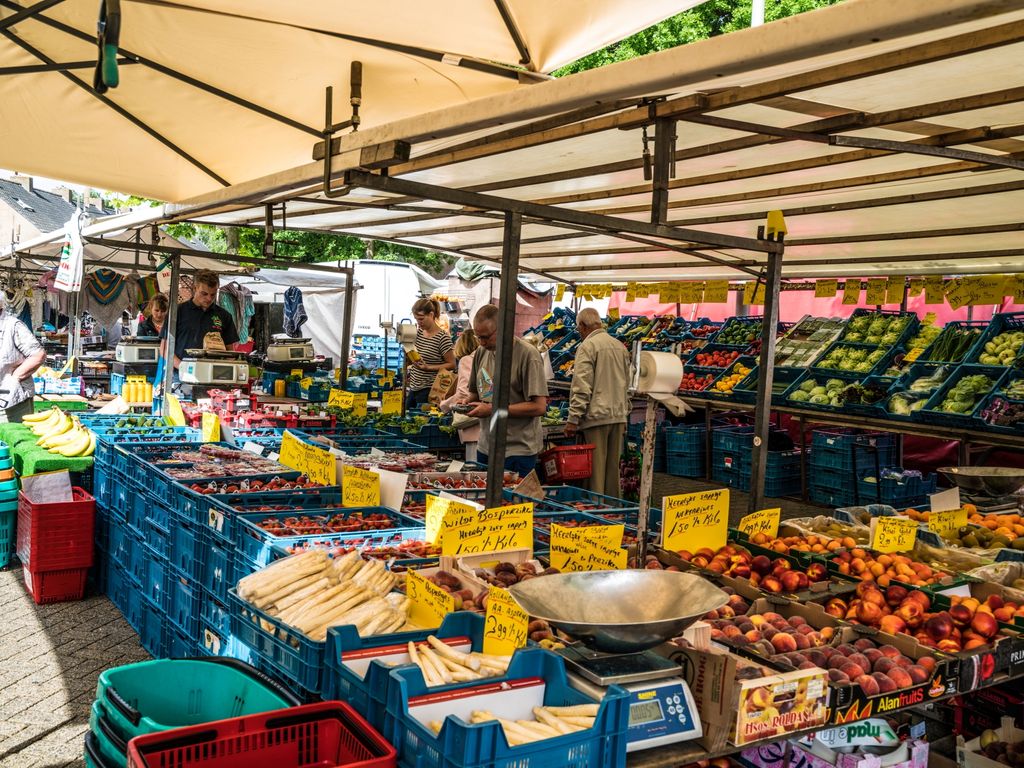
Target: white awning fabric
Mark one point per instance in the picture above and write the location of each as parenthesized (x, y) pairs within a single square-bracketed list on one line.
[(218, 92)]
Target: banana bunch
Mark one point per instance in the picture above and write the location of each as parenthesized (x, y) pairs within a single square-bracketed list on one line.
[(60, 433)]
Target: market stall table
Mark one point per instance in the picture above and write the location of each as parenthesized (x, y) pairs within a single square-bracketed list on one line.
[(30, 459)]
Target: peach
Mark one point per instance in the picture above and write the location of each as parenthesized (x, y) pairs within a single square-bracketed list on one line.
[(994, 602), (960, 614), (892, 624), (869, 613), (873, 655), (901, 677), (818, 658), (817, 572), (890, 650), (837, 661), (846, 649), (863, 643), (835, 676), (797, 621), (1004, 614), (731, 631), (883, 665), (802, 643), (761, 565), (970, 645), (885, 683), (952, 646), (927, 662), (985, 625), (771, 584), (726, 612), (895, 595), (921, 598), (918, 674), (791, 581), (868, 685), (860, 660), (939, 626), (911, 612), (851, 670), (784, 643), (752, 636)]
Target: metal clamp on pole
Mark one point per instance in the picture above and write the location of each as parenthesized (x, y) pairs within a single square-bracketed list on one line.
[(330, 127)]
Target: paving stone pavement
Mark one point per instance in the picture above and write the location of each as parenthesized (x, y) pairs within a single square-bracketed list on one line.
[(50, 658)]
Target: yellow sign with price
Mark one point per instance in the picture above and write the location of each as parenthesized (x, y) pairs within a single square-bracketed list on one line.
[(893, 534), (762, 521), (506, 625), (590, 548), (317, 464), (391, 402), (489, 530), (694, 521), (339, 398), (429, 604)]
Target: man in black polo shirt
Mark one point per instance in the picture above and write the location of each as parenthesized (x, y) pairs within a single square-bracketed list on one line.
[(198, 317)]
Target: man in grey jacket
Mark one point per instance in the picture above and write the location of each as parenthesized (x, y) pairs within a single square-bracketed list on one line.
[(599, 400)]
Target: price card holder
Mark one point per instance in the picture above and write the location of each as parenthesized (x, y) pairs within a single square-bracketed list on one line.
[(947, 522), (590, 548), (763, 521), (693, 521), (339, 398), (211, 427), (498, 529), (391, 402), (506, 625), (429, 604), (893, 534), (359, 487)]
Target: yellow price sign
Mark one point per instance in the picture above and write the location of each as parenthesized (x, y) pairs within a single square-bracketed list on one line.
[(875, 293), (297, 372), (211, 427), (894, 289), (429, 604), (826, 289), (359, 487), (315, 463), (914, 287), (693, 521), (589, 548), (851, 292), (497, 529), (934, 290), (947, 523), (691, 293), (893, 534), (559, 291), (753, 293), (613, 313), (440, 511), (506, 625), (716, 291), (174, 414), (391, 402), (359, 402), (762, 521), (339, 398)]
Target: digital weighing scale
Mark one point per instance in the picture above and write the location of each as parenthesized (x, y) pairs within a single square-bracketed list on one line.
[(617, 616), (137, 349), (990, 489), (290, 351), (214, 369)]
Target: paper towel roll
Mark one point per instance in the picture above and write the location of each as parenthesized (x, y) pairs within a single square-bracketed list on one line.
[(659, 372)]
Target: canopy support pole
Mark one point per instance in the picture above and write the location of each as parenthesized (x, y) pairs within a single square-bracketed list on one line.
[(664, 166), (172, 327), (506, 330), (765, 376), (346, 328)]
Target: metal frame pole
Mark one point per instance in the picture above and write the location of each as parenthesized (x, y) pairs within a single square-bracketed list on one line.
[(765, 376), (506, 330), (346, 326), (172, 324), (646, 480)]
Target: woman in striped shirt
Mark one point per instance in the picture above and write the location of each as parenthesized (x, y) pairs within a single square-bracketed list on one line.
[(434, 348)]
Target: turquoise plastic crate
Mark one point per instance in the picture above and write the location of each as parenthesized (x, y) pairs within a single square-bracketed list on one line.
[(8, 521)]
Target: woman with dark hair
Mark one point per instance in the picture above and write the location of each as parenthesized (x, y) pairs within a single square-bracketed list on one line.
[(432, 353), (154, 316)]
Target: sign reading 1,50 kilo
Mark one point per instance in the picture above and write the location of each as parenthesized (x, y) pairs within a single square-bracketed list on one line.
[(488, 530), (693, 521)]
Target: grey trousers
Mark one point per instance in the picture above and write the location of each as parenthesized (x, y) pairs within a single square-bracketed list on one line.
[(607, 440)]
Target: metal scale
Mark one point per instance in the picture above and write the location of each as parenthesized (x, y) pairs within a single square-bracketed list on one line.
[(616, 617), (137, 349), (990, 489), (290, 351), (213, 369)]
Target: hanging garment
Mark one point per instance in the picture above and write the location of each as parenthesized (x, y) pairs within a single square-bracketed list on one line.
[(147, 289), (294, 312), (105, 286), (237, 300), (72, 256)]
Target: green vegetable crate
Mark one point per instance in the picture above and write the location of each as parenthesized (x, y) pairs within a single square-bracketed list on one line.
[(955, 343), (1002, 343), (911, 392), (959, 399)]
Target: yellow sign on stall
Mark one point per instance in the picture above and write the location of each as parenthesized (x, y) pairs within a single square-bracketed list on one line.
[(315, 463), (359, 487), (875, 293), (506, 625), (588, 548), (826, 289), (429, 604), (211, 427), (174, 414), (693, 521), (851, 292), (762, 521), (359, 402), (442, 511), (340, 398), (498, 529), (716, 291), (947, 523), (893, 534), (391, 402)]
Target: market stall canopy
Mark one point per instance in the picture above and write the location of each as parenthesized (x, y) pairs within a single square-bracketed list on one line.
[(890, 134), (219, 92)]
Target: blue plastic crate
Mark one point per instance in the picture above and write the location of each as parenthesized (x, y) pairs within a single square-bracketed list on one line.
[(685, 438), (156, 538), (101, 484), (154, 587), (954, 325), (841, 448), (911, 492), (136, 558), (183, 603), (1002, 322), (686, 464), (932, 415), (909, 329), (289, 654), (133, 605), (217, 567), (483, 745), (136, 513), (786, 485), (842, 480), (215, 614), (257, 544), (365, 686), (117, 584), (152, 629), (188, 550), (118, 547), (177, 644), (215, 643), (829, 495)]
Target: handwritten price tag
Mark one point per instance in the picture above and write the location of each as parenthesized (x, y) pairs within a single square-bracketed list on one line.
[(753, 293), (851, 292), (934, 290), (696, 520), (339, 398), (947, 523), (359, 487), (317, 464), (391, 402), (893, 534), (174, 414), (440, 511), (826, 289), (506, 625), (876, 291), (429, 604), (590, 548), (762, 521), (489, 530), (211, 427), (691, 293), (359, 401), (716, 291)]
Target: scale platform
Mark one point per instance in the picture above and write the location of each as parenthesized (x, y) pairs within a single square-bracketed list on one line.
[(290, 350), (616, 668)]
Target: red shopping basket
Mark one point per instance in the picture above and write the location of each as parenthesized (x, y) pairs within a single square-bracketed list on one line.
[(567, 462), (324, 735), (57, 535)]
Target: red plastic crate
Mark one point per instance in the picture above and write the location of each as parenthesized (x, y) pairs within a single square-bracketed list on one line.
[(324, 735), (567, 462), (58, 535), (55, 586)]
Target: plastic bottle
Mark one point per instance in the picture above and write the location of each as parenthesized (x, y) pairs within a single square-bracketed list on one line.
[(279, 387)]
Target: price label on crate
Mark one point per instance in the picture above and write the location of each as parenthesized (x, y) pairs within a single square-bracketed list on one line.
[(947, 522), (211, 427), (317, 464), (693, 521), (359, 401), (488, 530), (439, 510), (588, 548), (763, 521), (893, 534), (359, 487), (339, 398), (506, 625), (429, 604), (174, 414), (391, 402)]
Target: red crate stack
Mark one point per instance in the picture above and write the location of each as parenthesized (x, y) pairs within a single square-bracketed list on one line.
[(55, 546)]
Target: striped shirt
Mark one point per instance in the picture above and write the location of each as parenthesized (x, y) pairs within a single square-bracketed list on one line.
[(433, 351)]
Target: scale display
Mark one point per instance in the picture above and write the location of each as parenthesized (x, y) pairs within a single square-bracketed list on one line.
[(661, 713), (147, 353), (645, 712), (297, 353), (223, 372)]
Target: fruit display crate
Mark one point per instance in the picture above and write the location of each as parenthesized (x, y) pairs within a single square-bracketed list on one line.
[(1002, 322), (965, 418), (908, 492), (846, 449)]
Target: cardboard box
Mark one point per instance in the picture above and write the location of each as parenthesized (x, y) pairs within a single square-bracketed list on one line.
[(774, 756), (969, 754), (741, 701)]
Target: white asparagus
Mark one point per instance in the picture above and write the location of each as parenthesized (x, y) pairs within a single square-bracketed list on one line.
[(557, 723), (428, 673), (540, 730), (458, 656), (435, 726), (319, 602), (279, 569), (264, 600), (282, 578), (431, 675), (325, 619), (516, 731), (459, 670), (439, 667), (316, 589), (490, 664), (375, 624), (582, 722), (577, 710), (397, 622)]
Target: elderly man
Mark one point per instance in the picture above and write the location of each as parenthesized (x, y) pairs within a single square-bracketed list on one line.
[(528, 394), (598, 399), (20, 355)]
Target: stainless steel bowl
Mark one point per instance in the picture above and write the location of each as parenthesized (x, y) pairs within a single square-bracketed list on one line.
[(991, 481), (619, 611)]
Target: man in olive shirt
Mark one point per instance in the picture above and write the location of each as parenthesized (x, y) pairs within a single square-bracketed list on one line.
[(528, 394)]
